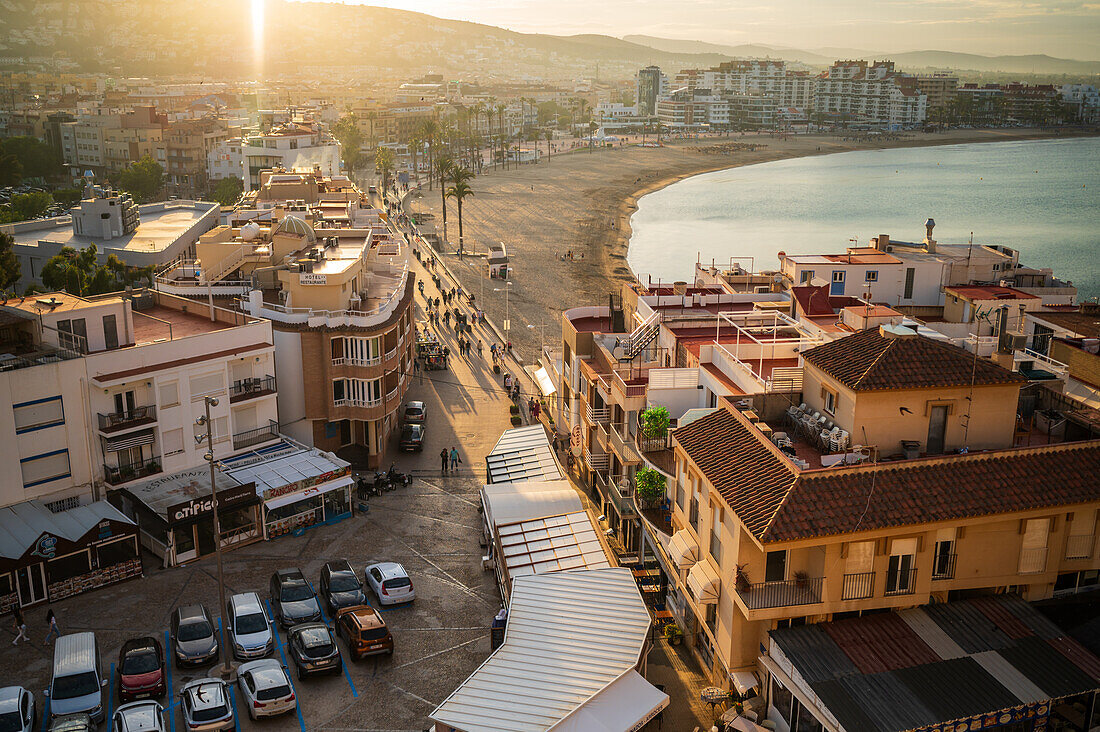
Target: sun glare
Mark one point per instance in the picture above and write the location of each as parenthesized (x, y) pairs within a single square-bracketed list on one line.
[(258, 7)]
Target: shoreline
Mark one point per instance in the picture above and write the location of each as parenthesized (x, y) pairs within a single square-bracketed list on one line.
[(582, 201)]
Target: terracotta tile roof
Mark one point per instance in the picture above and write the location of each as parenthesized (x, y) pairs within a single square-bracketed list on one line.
[(777, 502), (839, 501), (749, 473), (868, 361), (989, 292)]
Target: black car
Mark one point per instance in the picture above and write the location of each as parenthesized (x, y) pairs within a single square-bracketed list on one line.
[(340, 586), (313, 649), (412, 437), (194, 642), (293, 599)]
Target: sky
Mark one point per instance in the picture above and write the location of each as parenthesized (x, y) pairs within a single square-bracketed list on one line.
[(1061, 28)]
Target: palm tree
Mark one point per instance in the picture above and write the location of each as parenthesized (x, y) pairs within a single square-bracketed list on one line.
[(428, 131), (549, 137), (414, 147), (458, 191), (500, 123), (444, 167), (371, 117), (383, 162)]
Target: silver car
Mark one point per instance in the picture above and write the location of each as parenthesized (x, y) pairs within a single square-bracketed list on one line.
[(266, 688), (17, 712), (205, 705), (139, 716)]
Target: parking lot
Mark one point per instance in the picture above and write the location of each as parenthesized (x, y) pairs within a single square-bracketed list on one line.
[(432, 528)]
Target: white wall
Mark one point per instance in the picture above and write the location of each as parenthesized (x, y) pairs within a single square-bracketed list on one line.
[(292, 395)]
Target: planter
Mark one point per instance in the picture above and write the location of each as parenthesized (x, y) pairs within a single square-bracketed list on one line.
[(516, 420), (513, 409), (496, 368)]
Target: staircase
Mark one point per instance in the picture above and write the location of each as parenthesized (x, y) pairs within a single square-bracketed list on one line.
[(227, 265), (642, 336)]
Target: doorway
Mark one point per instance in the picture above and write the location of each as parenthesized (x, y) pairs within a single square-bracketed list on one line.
[(32, 584), (937, 429), (124, 404)]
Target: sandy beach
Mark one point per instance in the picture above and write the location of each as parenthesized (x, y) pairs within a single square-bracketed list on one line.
[(582, 201)]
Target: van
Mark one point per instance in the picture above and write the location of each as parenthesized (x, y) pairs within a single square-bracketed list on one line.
[(78, 679), (249, 627)]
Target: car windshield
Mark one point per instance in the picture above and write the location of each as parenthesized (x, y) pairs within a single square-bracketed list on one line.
[(372, 634), (11, 722), (414, 412), (196, 630), (70, 687), (344, 583), (274, 692), (253, 623), (140, 661), (296, 592), (209, 714), (397, 583), (315, 639)]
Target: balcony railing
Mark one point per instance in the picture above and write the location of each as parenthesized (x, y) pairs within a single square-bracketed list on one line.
[(117, 474), (901, 582), (1079, 546), (1033, 561), (858, 586), (596, 462), (131, 418), (943, 566), (249, 388), (784, 593), (248, 438), (598, 416)]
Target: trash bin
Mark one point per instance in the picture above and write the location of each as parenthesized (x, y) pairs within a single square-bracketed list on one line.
[(496, 632), (911, 448)]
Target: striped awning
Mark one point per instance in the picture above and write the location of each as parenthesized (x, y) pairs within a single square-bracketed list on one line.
[(133, 439)]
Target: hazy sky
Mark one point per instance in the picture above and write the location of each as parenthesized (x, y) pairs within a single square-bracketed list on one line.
[(1062, 28)]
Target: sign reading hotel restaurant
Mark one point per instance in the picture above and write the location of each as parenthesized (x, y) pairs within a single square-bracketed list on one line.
[(202, 505), (309, 278)]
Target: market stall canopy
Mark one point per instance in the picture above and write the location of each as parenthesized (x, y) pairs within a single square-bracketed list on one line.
[(683, 550), (343, 482), (22, 524), (704, 583), (743, 681), (506, 503), (627, 703), (551, 544), (522, 454), (284, 464), (546, 384)]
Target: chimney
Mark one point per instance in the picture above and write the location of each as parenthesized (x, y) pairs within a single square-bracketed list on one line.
[(929, 242), (882, 241)]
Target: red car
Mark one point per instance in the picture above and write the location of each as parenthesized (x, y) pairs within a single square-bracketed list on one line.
[(141, 669)]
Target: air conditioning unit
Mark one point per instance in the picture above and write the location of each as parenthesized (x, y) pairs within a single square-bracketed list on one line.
[(488, 563)]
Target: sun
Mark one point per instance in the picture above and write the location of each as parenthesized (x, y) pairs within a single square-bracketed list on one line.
[(258, 11)]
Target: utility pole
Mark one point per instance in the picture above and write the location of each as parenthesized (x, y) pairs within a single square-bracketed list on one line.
[(204, 421)]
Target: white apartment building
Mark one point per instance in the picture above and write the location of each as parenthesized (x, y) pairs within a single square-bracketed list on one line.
[(1085, 99), (872, 94), (290, 147)]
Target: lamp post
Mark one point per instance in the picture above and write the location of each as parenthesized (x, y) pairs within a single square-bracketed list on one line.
[(205, 421), (507, 310), (542, 331)]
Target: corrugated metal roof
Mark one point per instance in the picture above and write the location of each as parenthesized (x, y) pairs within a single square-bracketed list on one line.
[(551, 544), (1002, 617), (507, 503), (880, 643), (956, 688), (22, 523), (569, 635), (816, 655), (847, 710), (968, 627), (1010, 677), (889, 703), (1048, 669), (932, 634)]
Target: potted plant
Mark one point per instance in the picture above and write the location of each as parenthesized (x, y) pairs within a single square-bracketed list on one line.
[(673, 634), (513, 409), (496, 368), (650, 485), (801, 578), (516, 420), (655, 422), (741, 578)]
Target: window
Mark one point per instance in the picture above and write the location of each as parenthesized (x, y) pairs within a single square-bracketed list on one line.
[(110, 332), (172, 441), (838, 275), (338, 390), (781, 699), (169, 394), (693, 515), (830, 400), (681, 496), (1033, 552), (910, 275), (943, 559), (837, 288), (116, 552), (871, 276), (900, 572), (67, 567), (73, 334), (775, 566), (43, 468), (38, 414), (806, 276), (716, 535)]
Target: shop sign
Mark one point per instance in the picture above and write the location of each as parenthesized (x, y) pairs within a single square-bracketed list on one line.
[(301, 485), (104, 530), (202, 505), (1036, 712), (45, 547), (308, 278)]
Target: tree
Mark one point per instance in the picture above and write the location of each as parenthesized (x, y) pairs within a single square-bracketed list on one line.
[(25, 206), (68, 197), (444, 165), (228, 190), (650, 485), (11, 170), (383, 163), (39, 159), (10, 269), (459, 191), (79, 272), (143, 179), (347, 133), (655, 422), (549, 137)]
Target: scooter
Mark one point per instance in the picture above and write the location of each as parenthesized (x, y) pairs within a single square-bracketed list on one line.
[(381, 483), (396, 478)]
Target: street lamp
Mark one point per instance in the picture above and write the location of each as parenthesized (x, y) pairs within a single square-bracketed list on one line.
[(205, 421), (507, 311), (542, 331)]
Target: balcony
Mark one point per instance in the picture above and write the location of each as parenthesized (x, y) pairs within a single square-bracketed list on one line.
[(943, 567), (598, 461), (1079, 546), (625, 449), (248, 438), (599, 416), (785, 593), (858, 586), (901, 582), (1033, 561), (116, 421), (119, 474), (601, 436), (251, 388)]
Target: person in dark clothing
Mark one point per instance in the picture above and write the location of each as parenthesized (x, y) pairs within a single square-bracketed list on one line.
[(443, 456)]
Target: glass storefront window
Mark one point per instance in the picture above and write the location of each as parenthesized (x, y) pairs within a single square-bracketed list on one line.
[(116, 552), (73, 565), (293, 516), (781, 700), (185, 540), (337, 502)]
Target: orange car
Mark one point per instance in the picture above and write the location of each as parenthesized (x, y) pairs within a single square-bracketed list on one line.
[(364, 630)]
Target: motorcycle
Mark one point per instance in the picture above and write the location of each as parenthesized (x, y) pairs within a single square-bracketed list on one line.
[(397, 478)]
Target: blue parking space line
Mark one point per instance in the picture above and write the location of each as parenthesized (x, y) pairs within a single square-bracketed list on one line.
[(344, 667), (46, 714), (279, 645), (233, 703), (111, 694), (171, 690)]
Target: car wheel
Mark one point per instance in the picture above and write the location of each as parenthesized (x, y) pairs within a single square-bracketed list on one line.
[(251, 714), (301, 674)]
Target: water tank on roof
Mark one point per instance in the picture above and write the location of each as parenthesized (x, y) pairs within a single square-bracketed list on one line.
[(250, 231)]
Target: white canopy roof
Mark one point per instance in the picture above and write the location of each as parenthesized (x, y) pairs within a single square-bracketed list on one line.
[(546, 384), (506, 503), (551, 544), (569, 636), (522, 454), (704, 583), (683, 549), (626, 704)]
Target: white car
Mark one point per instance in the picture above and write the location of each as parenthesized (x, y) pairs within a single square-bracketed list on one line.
[(139, 716), (266, 688), (17, 711), (206, 706), (390, 582), (249, 627)]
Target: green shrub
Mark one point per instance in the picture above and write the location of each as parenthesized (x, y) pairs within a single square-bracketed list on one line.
[(655, 422), (650, 485)]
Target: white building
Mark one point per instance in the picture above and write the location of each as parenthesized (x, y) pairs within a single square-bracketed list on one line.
[(290, 147), (1085, 99), (872, 94)]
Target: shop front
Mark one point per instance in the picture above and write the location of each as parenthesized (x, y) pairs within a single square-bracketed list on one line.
[(295, 507), (47, 556)]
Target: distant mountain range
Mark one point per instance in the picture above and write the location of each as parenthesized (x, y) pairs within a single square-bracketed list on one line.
[(950, 60)]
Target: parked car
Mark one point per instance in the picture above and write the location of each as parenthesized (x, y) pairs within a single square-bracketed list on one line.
[(249, 627), (412, 437), (73, 723), (364, 630), (293, 599), (140, 669), (17, 710), (314, 649), (390, 582), (266, 688), (78, 679), (205, 705), (193, 636), (340, 586), (414, 413), (139, 716)]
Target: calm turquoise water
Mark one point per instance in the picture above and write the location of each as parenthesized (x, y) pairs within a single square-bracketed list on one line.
[(1039, 197)]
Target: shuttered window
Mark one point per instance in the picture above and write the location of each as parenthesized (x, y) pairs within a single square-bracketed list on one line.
[(206, 385), (44, 468), (172, 441), (39, 414), (169, 394)]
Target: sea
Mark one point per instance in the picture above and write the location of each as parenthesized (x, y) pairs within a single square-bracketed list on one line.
[(1040, 197)]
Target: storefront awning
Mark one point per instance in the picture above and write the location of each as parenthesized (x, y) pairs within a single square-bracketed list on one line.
[(704, 583), (683, 550), (624, 705), (133, 439), (546, 384), (743, 681), (315, 490)]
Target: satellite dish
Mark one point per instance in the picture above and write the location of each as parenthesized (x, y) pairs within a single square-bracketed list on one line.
[(618, 353), (818, 282)]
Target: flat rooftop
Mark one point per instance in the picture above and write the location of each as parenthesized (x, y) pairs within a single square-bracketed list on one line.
[(157, 231), (148, 327)]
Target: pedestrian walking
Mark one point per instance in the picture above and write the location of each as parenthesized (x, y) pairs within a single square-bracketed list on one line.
[(416, 365), (455, 459), (443, 455), (479, 348), (53, 631), (515, 391), (508, 382), (20, 626), (538, 408)]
